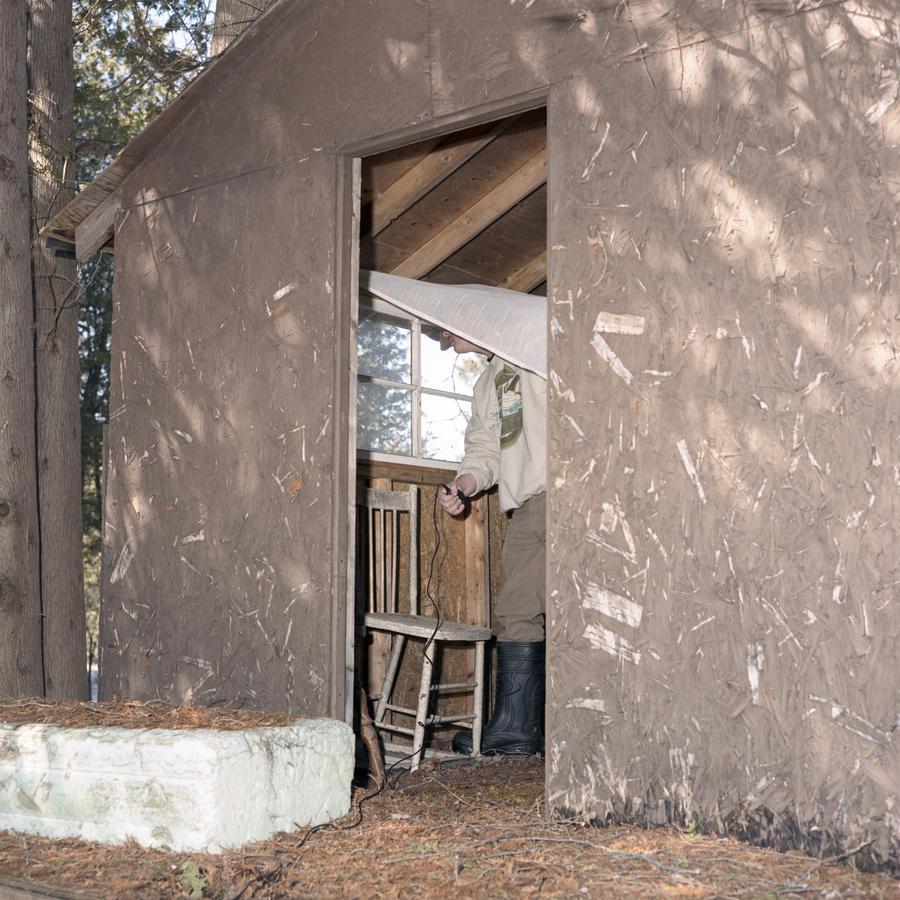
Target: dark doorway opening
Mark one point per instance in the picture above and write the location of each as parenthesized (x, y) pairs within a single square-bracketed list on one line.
[(469, 207)]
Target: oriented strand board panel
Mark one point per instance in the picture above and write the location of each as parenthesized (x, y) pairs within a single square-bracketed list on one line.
[(220, 562), (280, 107), (218, 533), (485, 51), (723, 563)]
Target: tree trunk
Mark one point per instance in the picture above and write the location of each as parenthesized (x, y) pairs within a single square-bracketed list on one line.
[(57, 375), (232, 17), (21, 671)]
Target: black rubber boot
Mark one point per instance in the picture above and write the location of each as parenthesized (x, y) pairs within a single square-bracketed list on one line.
[(517, 725)]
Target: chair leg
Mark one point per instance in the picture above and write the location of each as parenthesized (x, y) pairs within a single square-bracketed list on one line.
[(478, 722), (390, 676), (418, 747)]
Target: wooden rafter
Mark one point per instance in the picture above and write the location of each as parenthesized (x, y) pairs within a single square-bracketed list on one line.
[(422, 151), (474, 220), (97, 228), (526, 278), (426, 175)]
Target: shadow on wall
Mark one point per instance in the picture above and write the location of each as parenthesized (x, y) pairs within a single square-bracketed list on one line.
[(730, 460), (723, 522), (220, 466)]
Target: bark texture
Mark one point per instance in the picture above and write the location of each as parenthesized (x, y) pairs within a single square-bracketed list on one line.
[(50, 83), (20, 632)]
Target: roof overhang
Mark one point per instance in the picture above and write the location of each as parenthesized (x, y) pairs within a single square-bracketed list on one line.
[(86, 222)]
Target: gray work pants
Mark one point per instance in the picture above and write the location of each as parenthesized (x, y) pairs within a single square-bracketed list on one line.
[(519, 611)]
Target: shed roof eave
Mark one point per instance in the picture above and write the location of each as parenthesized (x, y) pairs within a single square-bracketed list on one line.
[(63, 225)]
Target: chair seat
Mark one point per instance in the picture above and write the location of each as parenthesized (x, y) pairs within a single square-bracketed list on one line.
[(425, 627)]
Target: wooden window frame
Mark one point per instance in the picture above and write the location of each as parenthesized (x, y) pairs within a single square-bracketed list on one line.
[(416, 390)]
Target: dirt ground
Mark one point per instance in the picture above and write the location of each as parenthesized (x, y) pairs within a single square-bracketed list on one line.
[(470, 830)]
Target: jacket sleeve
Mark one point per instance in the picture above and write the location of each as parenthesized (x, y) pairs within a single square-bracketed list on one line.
[(482, 441)]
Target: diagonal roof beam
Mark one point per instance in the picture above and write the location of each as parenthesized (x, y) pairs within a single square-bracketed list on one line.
[(424, 150), (526, 278), (426, 175), (474, 220)]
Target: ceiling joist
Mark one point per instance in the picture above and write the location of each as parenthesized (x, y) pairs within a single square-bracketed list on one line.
[(426, 175), (526, 278), (478, 217)]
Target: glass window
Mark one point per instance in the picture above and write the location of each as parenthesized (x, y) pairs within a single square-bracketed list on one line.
[(413, 399), (444, 422), (384, 346), (383, 419)]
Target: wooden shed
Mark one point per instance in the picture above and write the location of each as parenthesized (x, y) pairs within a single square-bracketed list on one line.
[(722, 521)]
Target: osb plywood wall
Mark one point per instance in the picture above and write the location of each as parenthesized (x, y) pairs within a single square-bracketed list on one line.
[(723, 417), (221, 561), (219, 459), (724, 556)]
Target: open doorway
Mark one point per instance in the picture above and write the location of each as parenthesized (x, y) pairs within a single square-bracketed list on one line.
[(469, 207)]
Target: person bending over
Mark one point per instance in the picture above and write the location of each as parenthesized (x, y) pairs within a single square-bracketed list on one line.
[(506, 445)]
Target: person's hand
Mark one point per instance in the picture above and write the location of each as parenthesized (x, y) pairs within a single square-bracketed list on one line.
[(450, 500)]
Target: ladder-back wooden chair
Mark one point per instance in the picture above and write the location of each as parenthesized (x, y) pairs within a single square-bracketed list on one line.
[(378, 551)]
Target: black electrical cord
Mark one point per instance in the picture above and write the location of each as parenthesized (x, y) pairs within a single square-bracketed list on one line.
[(434, 601)]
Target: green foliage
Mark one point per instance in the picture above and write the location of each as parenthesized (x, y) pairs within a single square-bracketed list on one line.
[(91, 557), (383, 413), (94, 331), (132, 57)]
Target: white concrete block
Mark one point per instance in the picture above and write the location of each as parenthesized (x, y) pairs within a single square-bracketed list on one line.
[(188, 790)]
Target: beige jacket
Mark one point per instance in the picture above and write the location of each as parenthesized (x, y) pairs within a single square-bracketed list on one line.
[(506, 438)]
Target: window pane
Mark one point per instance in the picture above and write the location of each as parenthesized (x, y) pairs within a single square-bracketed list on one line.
[(383, 347), (443, 427), (383, 419), (448, 371)]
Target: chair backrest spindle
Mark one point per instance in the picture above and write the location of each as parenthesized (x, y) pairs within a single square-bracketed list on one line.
[(379, 555), (414, 551), (395, 561), (371, 598), (384, 547)]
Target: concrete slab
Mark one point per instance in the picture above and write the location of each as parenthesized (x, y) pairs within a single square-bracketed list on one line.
[(187, 790)]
